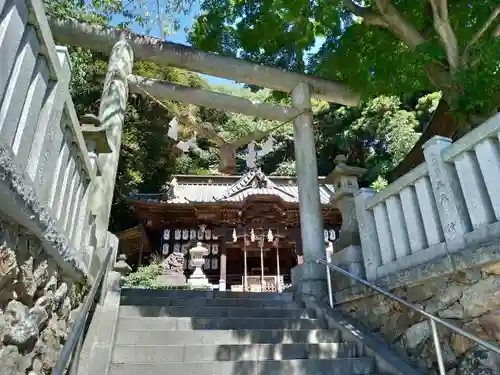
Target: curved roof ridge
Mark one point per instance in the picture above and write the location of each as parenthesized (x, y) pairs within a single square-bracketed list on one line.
[(238, 185), (244, 184)]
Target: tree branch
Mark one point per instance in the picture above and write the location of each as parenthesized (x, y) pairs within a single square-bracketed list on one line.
[(444, 9), (481, 32), (369, 16), (445, 31), (408, 33), (399, 25)]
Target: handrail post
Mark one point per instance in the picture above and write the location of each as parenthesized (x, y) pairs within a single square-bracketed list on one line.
[(433, 319), (328, 276), (437, 346)]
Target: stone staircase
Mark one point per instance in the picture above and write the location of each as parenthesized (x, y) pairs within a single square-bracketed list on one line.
[(227, 333)]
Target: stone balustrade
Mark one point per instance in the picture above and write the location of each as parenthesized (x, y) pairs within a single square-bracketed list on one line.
[(46, 169), (448, 203)]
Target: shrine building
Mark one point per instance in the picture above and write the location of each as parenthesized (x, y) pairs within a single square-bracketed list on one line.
[(250, 224)]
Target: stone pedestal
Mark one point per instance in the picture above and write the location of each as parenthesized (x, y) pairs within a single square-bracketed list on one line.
[(171, 279), (222, 285), (350, 259), (309, 279), (198, 279)]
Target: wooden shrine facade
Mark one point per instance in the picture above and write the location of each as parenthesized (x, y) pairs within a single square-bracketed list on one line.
[(249, 223)]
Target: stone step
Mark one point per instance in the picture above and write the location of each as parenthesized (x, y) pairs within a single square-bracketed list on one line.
[(255, 352), (213, 312), (286, 297), (186, 323), (141, 300), (227, 337), (344, 366)]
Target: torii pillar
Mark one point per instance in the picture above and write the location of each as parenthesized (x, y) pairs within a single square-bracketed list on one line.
[(309, 277)]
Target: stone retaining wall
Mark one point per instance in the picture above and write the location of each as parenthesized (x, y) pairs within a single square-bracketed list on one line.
[(37, 307), (469, 299)]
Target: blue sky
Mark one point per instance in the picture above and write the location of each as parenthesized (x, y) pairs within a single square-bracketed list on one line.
[(186, 22)]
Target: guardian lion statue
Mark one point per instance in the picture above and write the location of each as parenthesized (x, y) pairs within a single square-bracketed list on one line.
[(174, 263)]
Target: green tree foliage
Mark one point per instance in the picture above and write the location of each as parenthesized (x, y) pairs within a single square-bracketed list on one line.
[(389, 47), (148, 156), (162, 16), (376, 135)]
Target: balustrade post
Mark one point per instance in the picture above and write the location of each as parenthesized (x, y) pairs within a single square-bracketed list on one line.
[(449, 199), (97, 143), (370, 248)]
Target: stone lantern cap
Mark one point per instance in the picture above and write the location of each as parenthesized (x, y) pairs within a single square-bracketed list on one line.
[(342, 169), (121, 265), (344, 177), (199, 250)]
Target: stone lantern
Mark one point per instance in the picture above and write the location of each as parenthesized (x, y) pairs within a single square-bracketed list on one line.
[(121, 265), (345, 179), (347, 253), (197, 255)]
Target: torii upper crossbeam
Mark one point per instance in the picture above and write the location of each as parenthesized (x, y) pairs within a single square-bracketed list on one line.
[(102, 39)]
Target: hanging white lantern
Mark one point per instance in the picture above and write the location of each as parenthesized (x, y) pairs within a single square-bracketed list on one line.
[(165, 249), (333, 235), (215, 249), (215, 263), (235, 237), (252, 235), (166, 234), (208, 234), (270, 236), (192, 234), (325, 234), (185, 234), (177, 234), (206, 266), (177, 248)]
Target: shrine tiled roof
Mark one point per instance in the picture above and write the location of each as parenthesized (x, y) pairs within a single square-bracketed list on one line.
[(219, 189)]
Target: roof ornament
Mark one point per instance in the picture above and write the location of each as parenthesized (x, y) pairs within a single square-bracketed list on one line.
[(175, 196)]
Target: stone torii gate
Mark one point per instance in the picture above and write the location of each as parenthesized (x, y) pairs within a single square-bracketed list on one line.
[(309, 277)]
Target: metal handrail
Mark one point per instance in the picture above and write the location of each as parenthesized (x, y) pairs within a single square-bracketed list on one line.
[(71, 349), (432, 318)]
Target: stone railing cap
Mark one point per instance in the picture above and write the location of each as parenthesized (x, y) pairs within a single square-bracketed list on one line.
[(92, 130)]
